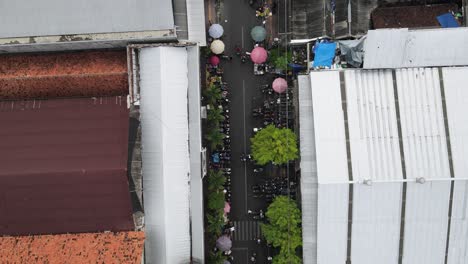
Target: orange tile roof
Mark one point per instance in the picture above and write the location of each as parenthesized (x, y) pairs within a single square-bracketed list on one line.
[(121, 247)]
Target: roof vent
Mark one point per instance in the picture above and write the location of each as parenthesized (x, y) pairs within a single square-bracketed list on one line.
[(420, 180), (367, 182)]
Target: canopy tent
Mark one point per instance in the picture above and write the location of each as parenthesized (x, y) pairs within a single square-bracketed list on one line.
[(217, 47), (224, 243), (214, 60), (280, 85), (258, 33), (216, 31), (258, 55)]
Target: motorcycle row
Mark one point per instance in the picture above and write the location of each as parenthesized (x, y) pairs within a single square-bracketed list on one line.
[(276, 109)]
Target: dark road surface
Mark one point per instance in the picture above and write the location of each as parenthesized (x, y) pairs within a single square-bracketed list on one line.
[(245, 94)]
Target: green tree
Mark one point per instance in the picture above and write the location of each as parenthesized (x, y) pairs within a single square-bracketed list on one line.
[(215, 116), (282, 229), (216, 258), (216, 200), (287, 257), (216, 181), (212, 94), (215, 138), (215, 222), (280, 60), (277, 145)]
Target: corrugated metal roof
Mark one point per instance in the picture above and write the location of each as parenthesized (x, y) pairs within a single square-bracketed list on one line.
[(122, 247), (403, 48), (426, 222), (166, 162), (66, 17), (458, 242), (332, 223), (63, 166), (403, 109), (376, 223), (422, 123), (309, 181), (329, 128), (373, 132), (87, 74), (456, 96)]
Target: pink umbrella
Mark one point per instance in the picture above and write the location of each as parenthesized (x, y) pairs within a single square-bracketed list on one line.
[(227, 207), (259, 55), (214, 60), (280, 85)]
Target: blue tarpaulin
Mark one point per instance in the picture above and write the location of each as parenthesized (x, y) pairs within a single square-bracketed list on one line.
[(324, 54), (215, 157), (447, 20), (296, 67)]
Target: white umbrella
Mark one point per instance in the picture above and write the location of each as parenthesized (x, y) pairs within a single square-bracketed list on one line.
[(217, 47), (216, 31)]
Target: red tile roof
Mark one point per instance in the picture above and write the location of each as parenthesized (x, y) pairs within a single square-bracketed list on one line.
[(63, 166), (49, 75), (122, 247)]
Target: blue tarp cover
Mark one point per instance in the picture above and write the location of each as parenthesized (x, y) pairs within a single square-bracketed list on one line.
[(324, 54), (215, 157), (447, 20)]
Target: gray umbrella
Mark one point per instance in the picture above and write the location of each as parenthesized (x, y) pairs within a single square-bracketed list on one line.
[(226, 262), (258, 33), (224, 243), (216, 31)]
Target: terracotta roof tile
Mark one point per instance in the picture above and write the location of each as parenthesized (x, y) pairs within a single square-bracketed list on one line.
[(121, 247), (88, 74)]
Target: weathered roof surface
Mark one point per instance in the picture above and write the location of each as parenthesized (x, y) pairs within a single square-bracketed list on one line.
[(63, 166), (410, 16), (23, 18), (403, 48), (49, 75), (122, 247)]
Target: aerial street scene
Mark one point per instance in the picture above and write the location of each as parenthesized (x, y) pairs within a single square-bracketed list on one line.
[(233, 132)]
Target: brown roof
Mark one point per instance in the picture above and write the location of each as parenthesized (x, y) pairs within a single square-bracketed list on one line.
[(410, 16), (49, 75), (123, 247), (64, 166)]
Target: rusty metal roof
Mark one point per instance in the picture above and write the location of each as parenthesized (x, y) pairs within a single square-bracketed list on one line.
[(72, 74), (63, 166)]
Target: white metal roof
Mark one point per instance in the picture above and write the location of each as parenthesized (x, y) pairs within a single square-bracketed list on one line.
[(402, 48), (23, 18), (309, 191), (396, 135), (330, 138), (196, 21), (165, 153)]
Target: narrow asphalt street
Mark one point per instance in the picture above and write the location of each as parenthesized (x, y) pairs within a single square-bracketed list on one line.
[(238, 18)]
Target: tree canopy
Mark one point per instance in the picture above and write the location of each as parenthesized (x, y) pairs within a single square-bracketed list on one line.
[(216, 180), (212, 94), (277, 145), (215, 116), (215, 138), (282, 229)]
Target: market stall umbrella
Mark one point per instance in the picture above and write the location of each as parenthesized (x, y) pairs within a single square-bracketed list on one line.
[(216, 31), (217, 47), (214, 60), (226, 262), (280, 85), (227, 207), (258, 55), (224, 243), (258, 33)]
